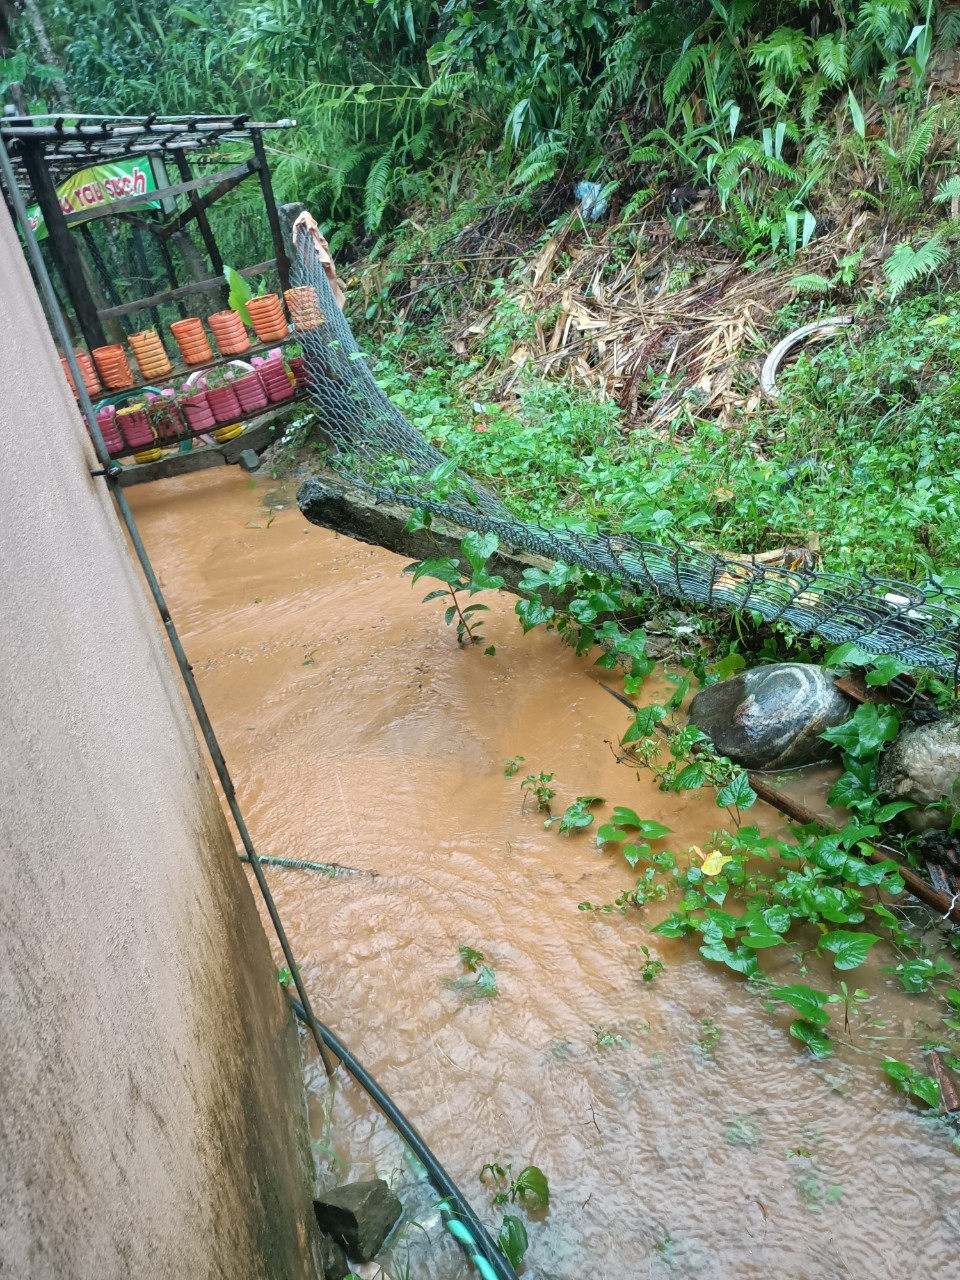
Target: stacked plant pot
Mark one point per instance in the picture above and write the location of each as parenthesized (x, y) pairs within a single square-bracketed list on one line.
[(113, 367), (223, 403), (276, 379), (135, 427), (251, 393), (87, 372), (299, 370), (196, 410), (303, 303), (163, 415), (231, 337), (192, 340), (107, 421), (267, 317), (151, 357)]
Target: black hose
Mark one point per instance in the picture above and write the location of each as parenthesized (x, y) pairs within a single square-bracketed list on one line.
[(480, 1239)]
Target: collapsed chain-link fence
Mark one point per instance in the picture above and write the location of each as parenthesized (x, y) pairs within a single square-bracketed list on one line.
[(380, 451)]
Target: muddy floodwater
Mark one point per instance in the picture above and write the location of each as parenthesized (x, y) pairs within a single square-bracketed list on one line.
[(682, 1131)]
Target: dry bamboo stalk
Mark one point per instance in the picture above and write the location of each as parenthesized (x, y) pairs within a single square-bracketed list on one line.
[(948, 1095)]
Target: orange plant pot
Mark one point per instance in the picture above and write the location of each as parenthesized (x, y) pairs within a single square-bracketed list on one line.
[(88, 372), (192, 340), (266, 314), (303, 304), (151, 357), (231, 337), (111, 362)]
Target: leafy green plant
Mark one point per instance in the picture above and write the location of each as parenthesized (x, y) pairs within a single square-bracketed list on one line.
[(909, 1080), (477, 550), (479, 983), (538, 786), (576, 816), (529, 1187)]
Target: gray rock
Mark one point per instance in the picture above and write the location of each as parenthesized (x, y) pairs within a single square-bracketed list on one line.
[(923, 765), (359, 1216), (248, 459), (333, 1259), (771, 717)]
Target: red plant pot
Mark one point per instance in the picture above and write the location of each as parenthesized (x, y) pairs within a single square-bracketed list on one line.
[(224, 404), (166, 421), (299, 370), (197, 411), (277, 381), (251, 392), (135, 428), (107, 421)]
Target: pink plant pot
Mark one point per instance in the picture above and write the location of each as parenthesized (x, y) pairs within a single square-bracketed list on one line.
[(299, 371), (135, 429), (224, 404), (251, 393), (277, 381), (107, 421)]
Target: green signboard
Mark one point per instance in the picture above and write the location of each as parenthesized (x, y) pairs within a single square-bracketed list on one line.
[(93, 190)]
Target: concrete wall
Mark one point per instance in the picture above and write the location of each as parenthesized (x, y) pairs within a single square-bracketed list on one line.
[(152, 1120)]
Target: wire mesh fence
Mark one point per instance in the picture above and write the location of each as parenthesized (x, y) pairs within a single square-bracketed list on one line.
[(378, 449)]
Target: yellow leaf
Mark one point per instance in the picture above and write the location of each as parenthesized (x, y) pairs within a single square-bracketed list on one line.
[(714, 862)]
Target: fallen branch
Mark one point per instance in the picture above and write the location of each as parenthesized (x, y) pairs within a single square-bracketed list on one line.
[(295, 864)]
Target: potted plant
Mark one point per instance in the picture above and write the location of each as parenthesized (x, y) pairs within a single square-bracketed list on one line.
[(196, 409), (262, 311), (192, 340), (221, 396)]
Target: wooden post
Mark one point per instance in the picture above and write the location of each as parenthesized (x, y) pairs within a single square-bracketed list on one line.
[(200, 214), (266, 186), (62, 246), (171, 271)]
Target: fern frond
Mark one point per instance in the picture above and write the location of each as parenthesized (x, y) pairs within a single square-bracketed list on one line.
[(376, 189), (832, 57), (681, 71), (949, 189), (541, 164), (918, 143), (906, 264), (811, 284)]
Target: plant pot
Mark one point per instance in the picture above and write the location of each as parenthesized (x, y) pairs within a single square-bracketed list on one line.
[(149, 455), (192, 340), (135, 427), (303, 303), (277, 381), (251, 393), (228, 433), (224, 404), (88, 373), (299, 370), (107, 421), (230, 335), (197, 412), (111, 362), (164, 418), (151, 357), (267, 317)]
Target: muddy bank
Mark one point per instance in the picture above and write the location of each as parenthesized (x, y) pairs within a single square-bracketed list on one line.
[(682, 1131)]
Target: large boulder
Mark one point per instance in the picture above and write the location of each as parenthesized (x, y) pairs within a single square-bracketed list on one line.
[(923, 765), (772, 717)]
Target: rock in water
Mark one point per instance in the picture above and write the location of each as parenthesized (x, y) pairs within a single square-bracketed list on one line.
[(923, 765), (359, 1216), (771, 717)]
